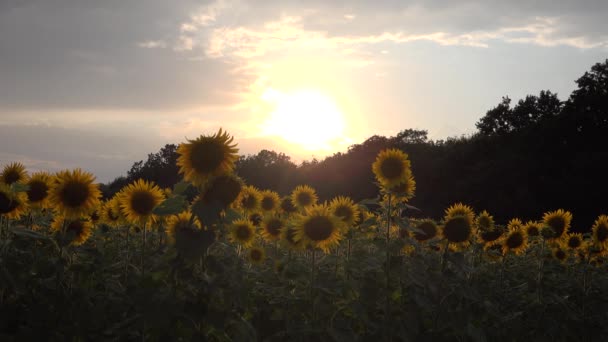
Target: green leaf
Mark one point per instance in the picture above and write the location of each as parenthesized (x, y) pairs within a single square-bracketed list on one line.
[(28, 233), (171, 206), (18, 187), (180, 188), (369, 201), (232, 215)]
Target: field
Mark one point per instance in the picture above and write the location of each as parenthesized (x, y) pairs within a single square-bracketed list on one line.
[(245, 264)]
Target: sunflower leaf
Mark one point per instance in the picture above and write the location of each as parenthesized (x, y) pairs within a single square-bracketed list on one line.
[(18, 187), (180, 188), (171, 206)]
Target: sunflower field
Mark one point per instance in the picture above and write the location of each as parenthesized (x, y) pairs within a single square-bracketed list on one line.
[(238, 263)]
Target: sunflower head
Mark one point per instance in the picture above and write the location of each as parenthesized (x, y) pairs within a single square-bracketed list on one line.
[(242, 232), (391, 168), (288, 238), (484, 221), (249, 200), (457, 230), (110, 212), (533, 228), (13, 173), (255, 219), (559, 254), (303, 196), (405, 190), (138, 200), (206, 156), (287, 206), (489, 238), (73, 231), (573, 241), (345, 208), (559, 221), (428, 230), (73, 193), (270, 201), (600, 232), (319, 228), (39, 186), (460, 209), (272, 227), (516, 239), (223, 189), (184, 231), (256, 255), (12, 205)]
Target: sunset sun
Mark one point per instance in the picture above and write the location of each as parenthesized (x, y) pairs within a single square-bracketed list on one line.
[(307, 118)]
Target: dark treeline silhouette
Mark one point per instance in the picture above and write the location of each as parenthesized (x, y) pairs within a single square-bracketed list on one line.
[(537, 155)]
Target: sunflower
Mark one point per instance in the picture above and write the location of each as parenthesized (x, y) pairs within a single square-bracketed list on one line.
[(559, 221), (345, 208), (13, 205), (73, 193), (95, 215), (600, 232), (185, 232), (303, 196), (255, 219), (288, 237), (484, 221), (460, 209), (516, 239), (319, 228), (138, 200), (256, 255), (391, 168), (110, 212), (287, 206), (242, 232), (271, 228), (206, 156), (428, 230), (249, 199), (223, 189), (405, 190), (573, 241), (457, 230), (533, 228), (13, 173), (77, 230), (489, 238), (270, 201), (559, 253), (39, 187)]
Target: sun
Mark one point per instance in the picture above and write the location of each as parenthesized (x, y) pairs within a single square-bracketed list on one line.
[(307, 118)]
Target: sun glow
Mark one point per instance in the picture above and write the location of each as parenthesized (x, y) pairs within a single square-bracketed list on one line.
[(307, 118)]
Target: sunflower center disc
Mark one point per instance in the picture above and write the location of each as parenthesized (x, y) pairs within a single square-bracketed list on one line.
[(273, 227), (207, 157), (344, 212), (558, 225), (515, 240), (6, 204), (142, 203), (457, 229), (392, 168), (602, 233), (75, 194), (224, 189), (318, 228), (37, 192), (243, 233), (304, 199), (12, 177), (574, 243), (267, 203)]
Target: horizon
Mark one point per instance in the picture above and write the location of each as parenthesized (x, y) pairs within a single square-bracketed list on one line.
[(100, 86)]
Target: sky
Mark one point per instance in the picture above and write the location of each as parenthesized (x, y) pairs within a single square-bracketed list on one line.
[(100, 84)]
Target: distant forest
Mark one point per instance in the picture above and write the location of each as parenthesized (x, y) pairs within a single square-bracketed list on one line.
[(525, 158)]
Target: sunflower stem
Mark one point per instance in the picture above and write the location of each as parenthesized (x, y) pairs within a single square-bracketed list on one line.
[(143, 251), (312, 282), (388, 270), (539, 276), (127, 255)]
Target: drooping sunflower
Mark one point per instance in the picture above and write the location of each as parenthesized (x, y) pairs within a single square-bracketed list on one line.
[(288, 238), (428, 230), (484, 221), (457, 230), (40, 184), (206, 156), (270, 201), (110, 212), (516, 239), (460, 209), (77, 230), (559, 221), (256, 255), (533, 228), (573, 241), (185, 232), (249, 199), (223, 189), (12, 205), (303, 196), (405, 190), (271, 228), (391, 168), (287, 206), (319, 228), (138, 200), (345, 208), (73, 193), (13, 173), (600, 232), (242, 232)]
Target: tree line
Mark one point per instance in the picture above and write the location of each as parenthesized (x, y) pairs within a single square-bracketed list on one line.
[(536, 155)]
